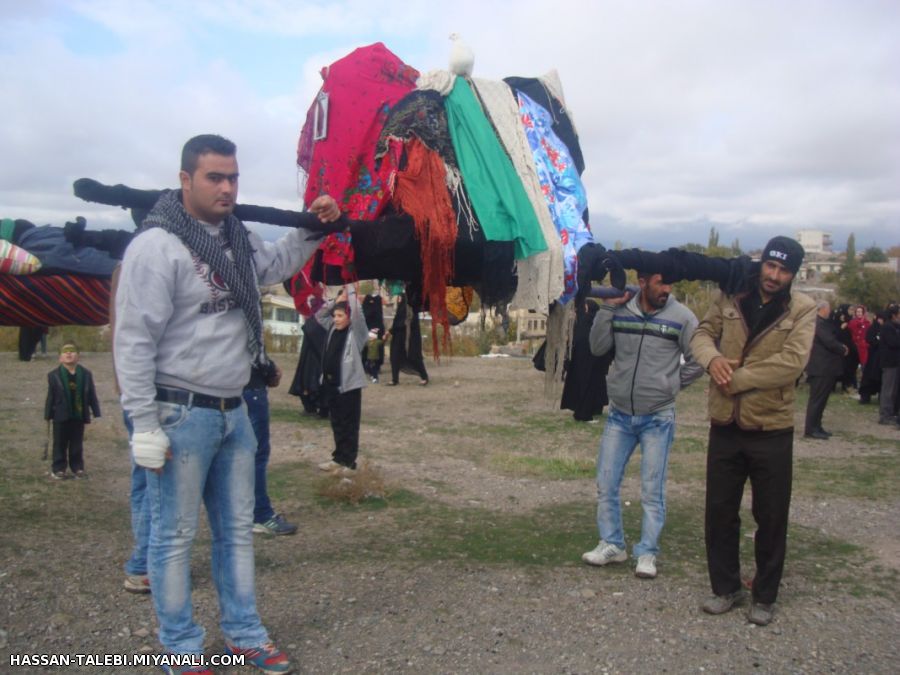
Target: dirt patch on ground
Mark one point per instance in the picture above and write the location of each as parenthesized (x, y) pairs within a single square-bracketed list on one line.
[(472, 563)]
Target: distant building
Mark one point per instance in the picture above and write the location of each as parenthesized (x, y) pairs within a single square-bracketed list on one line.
[(815, 241), (281, 321)]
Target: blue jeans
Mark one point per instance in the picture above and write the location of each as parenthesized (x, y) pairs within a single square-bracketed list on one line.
[(258, 409), (620, 437), (140, 513), (212, 458)]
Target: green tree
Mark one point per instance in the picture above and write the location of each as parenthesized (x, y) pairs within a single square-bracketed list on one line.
[(713, 238), (873, 288), (850, 265), (873, 254)]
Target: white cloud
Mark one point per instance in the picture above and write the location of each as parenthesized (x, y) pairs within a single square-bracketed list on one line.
[(752, 115)]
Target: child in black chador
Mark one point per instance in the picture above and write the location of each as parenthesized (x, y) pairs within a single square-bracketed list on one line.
[(71, 399)]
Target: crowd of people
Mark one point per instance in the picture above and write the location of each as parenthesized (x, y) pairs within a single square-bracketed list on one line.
[(191, 366)]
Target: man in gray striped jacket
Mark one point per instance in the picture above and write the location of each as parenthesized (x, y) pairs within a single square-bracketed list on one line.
[(650, 332)]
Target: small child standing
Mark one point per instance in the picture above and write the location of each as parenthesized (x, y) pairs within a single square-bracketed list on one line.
[(343, 376), (71, 399)]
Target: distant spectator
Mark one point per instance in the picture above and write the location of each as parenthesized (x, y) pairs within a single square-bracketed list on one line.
[(870, 382), (889, 350), (858, 326), (841, 318), (824, 367), (71, 398)]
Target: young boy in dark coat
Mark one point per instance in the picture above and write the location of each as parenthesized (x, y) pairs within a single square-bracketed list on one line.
[(71, 399)]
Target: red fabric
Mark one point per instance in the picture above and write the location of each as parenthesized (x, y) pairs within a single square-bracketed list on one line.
[(421, 191), (858, 328), (53, 300), (362, 87)]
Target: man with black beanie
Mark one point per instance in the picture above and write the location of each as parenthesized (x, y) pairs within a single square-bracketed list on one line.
[(754, 346)]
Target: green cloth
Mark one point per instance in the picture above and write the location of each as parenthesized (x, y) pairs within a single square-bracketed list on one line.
[(74, 395), (493, 186), (7, 227)]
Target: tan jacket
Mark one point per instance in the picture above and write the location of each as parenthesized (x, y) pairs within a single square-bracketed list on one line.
[(762, 387)]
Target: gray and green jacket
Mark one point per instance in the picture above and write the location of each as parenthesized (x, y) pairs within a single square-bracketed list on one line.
[(647, 372)]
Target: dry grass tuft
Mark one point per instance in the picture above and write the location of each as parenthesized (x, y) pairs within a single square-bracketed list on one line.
[(353, 487)]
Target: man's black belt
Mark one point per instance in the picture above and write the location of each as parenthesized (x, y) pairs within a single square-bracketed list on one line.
[(194, 400)]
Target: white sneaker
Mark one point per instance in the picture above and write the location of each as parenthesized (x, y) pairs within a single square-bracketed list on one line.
[(330, 466), (604, 553), (646, 566)]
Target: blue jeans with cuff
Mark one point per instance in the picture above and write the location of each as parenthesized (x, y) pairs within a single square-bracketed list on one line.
[(213, 457), (621, 436)]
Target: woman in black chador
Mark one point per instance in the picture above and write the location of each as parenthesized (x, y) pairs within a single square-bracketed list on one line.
[(406, 343)]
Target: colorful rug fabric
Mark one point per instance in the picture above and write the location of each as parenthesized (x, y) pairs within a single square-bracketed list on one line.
[(53, 300)]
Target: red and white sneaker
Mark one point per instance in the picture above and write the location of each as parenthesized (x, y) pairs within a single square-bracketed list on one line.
[(268, 658)]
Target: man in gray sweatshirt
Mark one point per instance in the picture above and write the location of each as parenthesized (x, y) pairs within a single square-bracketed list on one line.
[(188, 328), (650, 332)]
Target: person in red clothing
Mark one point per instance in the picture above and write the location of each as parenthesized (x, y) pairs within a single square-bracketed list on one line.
[(858, 326)]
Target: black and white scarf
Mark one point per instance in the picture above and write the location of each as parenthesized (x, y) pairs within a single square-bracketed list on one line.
[(239, 276)]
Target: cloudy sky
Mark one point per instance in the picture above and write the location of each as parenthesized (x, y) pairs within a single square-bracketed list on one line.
[(758, 117)]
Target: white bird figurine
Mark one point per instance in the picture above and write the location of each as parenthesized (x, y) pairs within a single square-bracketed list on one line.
[(461, 57)]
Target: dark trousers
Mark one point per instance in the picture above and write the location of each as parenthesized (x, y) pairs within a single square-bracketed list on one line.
[(258, 411), (887, 398), (68, 446), (765, 457), (820, 386), (345, 412)]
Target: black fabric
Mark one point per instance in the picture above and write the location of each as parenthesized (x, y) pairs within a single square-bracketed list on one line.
[(765, 457), (306, 383), (820, 387), (840, 317), (331, 362), (827, 354), (584, 391), (406, 342), (419, 114), (373, 311), (870, 384), (68, 446), (29, 337), (760, 315), (345, 413), (889, 350)]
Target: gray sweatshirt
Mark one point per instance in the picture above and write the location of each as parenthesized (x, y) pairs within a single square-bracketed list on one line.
[(646, 373), (176, 323), (353, 375)]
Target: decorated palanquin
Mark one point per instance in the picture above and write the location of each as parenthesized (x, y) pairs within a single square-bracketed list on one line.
[(487, 172)]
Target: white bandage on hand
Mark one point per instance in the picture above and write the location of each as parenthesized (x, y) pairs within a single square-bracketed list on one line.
[(149, 448)]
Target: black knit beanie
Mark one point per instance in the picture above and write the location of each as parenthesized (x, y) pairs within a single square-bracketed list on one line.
[(785, 250)]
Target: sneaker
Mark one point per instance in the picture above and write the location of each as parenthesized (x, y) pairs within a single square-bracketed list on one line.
[(330, 466), (276, 525), (604, 553), (818, 435), (80, 474), (268, 658), (137, 583), (58, 475), (646, 566), (719, 604), (761, 614)]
